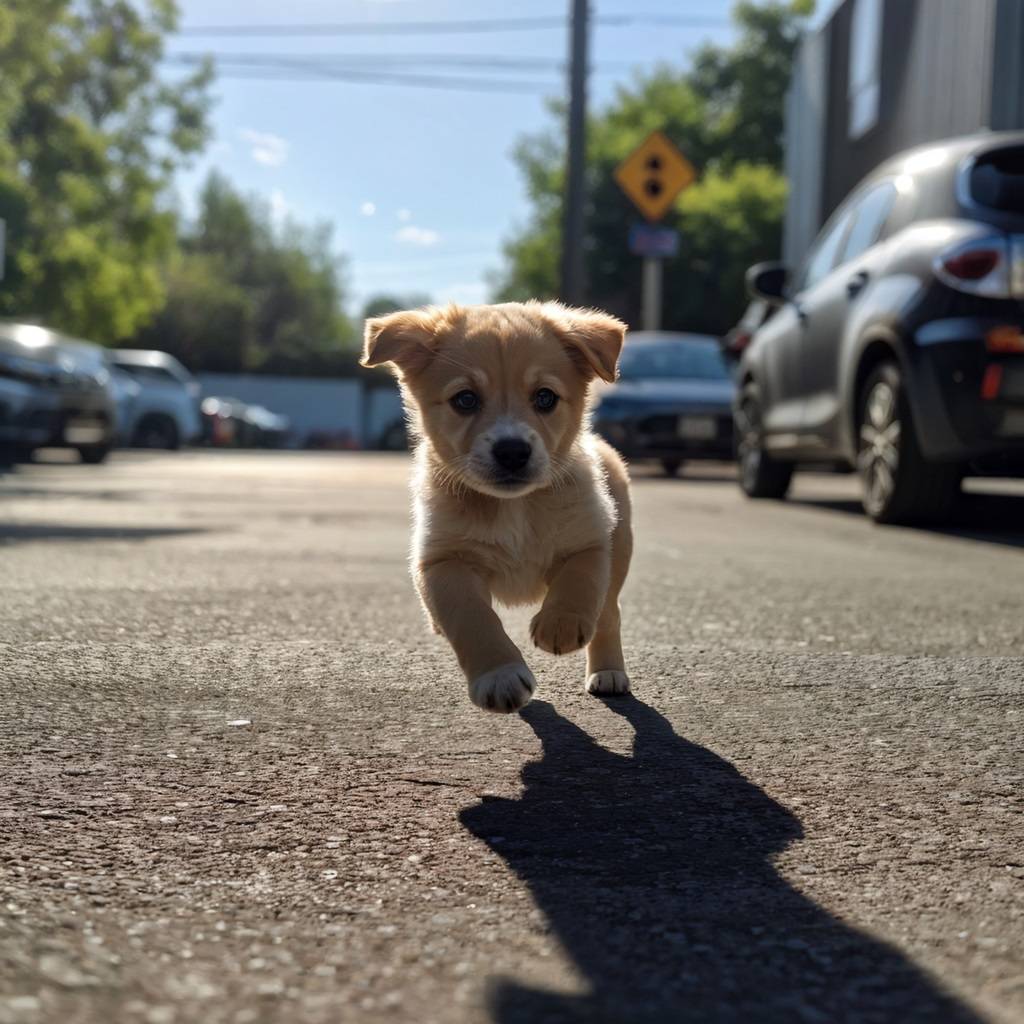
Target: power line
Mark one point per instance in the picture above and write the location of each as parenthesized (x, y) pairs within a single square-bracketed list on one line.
[(451, 27), (483, 60), (458, 83), (374, 28), (402, 60)]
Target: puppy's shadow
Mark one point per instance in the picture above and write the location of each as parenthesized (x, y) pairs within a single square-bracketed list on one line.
[(654, 872)]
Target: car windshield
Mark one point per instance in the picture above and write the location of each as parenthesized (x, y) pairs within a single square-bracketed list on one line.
[(700, 360)]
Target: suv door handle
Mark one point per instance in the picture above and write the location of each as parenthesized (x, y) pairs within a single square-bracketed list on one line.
[(801, 313), (856, 283)]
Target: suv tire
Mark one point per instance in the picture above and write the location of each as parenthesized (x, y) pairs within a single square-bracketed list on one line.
[(760, 475), (898, 484)]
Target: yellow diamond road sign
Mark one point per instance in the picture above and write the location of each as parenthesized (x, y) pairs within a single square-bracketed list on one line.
[(654, 174)]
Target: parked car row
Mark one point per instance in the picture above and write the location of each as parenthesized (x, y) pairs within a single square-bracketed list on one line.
[(58, 391)]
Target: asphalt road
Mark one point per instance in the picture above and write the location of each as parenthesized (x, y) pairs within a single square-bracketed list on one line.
[(240, 781)]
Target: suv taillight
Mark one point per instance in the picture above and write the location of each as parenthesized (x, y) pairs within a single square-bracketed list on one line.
[(980, 266)]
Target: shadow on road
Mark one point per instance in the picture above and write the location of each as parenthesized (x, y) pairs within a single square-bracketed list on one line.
[(654, 872), (992, 518), (21, 533)]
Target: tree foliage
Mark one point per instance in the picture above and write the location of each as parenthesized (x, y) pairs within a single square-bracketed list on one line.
[(90, 136), (246, 294), (725, 112), (381, 305)]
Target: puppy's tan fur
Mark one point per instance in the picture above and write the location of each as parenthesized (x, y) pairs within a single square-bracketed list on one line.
[(563, 537)]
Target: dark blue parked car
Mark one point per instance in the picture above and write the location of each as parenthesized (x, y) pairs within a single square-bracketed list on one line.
[(672, 402)]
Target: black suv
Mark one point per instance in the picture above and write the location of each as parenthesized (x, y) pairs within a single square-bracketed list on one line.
[(898, 347)]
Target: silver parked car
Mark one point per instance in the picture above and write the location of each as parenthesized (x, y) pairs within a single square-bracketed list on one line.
[(158, 399)]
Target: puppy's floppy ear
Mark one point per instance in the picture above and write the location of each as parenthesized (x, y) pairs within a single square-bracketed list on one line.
[(407, 339), (594, 337)]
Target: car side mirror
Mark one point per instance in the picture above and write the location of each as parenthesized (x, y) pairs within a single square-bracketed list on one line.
[(768, 282)]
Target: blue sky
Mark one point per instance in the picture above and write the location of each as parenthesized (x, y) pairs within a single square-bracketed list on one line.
[(419, 184)]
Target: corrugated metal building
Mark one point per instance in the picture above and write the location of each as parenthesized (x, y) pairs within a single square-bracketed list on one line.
[(880, 76)]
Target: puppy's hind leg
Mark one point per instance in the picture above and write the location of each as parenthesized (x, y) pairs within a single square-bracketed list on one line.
[(606, 667)]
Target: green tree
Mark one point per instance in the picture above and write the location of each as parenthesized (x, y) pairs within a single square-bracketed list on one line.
[(726, 113), (244, 294), (90, 136), (744, 86)]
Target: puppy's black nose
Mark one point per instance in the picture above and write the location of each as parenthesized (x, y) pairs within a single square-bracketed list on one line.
[(511, 453)]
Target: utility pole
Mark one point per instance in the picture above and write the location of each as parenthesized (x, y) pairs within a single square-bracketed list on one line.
[(572, 283), (651, 302)]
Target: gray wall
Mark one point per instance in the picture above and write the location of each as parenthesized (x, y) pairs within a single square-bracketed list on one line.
[(1008, 71), (948, 67), (936, 81), (313, 405)]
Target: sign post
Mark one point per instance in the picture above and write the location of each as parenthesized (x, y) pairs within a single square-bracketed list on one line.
[(651, 301), (652, 176)]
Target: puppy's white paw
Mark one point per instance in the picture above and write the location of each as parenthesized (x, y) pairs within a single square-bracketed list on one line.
[(505, 688), (609, 680)]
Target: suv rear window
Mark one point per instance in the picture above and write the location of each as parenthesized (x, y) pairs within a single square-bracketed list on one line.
[(997, 180)]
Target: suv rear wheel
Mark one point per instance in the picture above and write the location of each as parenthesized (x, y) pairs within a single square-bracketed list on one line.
[(761, 476), (899, 485)]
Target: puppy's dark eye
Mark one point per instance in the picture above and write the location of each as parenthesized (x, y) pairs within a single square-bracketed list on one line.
[(466, 402), (545, 400)]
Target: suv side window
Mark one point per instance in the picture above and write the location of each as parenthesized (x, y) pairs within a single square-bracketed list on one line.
[(823, 256), (871, 213)]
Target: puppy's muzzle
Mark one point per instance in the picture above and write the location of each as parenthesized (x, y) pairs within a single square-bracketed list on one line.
[(511, 454)]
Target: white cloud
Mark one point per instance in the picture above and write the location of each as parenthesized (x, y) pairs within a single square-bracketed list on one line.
[(265, 148), (468, 293), (280, 208), (404, 215), (367, 209), (412, 235)]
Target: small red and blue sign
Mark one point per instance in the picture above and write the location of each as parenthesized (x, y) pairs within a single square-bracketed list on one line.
[(653, 241)]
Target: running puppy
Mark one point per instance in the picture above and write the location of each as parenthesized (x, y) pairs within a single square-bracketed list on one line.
[(515, 500)]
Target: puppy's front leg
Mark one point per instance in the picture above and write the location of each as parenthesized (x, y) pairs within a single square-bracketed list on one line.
[(460, 604), (576, 593)]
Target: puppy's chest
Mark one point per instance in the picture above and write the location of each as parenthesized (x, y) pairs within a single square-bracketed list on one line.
[(514, 537), (517, 547)]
